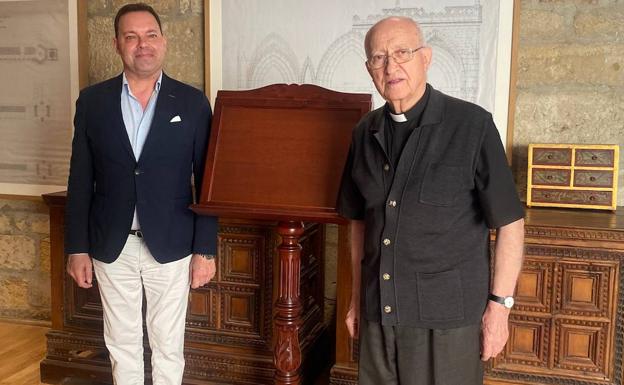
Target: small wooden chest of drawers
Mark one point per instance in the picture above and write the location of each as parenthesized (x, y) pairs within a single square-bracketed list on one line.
[(571, 175)]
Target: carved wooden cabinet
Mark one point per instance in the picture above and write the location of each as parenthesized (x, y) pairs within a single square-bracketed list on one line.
[(573, 175), (567, 326), (229, 332)]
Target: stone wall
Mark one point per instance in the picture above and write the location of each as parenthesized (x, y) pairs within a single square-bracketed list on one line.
[(24, 259), (183, 26), (570, 77)]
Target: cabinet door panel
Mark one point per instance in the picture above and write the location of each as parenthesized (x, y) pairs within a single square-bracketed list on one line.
[(585, 288), (528, 343), (534, 288), (582, 346)]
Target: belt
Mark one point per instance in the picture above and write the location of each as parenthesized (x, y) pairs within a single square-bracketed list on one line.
[(136, 233)]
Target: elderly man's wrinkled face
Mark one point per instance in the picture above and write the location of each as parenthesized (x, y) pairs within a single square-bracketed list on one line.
[(140, 44), (402, 85)]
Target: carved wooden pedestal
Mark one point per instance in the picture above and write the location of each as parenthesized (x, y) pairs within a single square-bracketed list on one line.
[(288, 316), (229, 329), (567, 326)]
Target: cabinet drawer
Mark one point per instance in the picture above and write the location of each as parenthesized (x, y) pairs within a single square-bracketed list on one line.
[(585, 197), (594, 157), (593, 178), (552, 156), (551, 177)]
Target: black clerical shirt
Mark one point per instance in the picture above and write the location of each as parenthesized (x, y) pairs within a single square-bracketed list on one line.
[(426, 246)]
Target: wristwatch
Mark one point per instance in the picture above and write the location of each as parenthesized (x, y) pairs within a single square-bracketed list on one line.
[(207, 256), (508, 302)]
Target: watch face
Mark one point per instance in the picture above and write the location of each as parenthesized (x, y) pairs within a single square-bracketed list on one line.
[(509, 302)]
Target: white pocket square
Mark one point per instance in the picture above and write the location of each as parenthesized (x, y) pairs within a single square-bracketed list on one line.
[(175, 119)]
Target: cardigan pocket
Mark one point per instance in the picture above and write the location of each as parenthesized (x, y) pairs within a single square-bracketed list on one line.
[(440, 296), (441, 184)]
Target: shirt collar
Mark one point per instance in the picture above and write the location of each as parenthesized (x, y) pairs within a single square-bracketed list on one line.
[(413, 113), (124, 81)]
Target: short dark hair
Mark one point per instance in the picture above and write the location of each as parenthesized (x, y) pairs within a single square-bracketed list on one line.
[(135, 7)]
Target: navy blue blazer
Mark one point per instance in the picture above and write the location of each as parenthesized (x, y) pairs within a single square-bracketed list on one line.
[(106, 181)]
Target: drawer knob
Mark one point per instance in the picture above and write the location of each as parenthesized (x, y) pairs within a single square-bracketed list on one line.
[(549, 177), (594, 157), (592, 178), (592, 198), (547, 195), (549, 156)]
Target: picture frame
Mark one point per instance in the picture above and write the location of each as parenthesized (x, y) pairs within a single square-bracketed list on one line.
[(77, 56), (506, 62)]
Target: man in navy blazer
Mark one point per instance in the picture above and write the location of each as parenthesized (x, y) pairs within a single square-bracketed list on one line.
[(139, 141)]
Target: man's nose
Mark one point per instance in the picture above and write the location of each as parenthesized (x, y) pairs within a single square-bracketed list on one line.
[(391, 64)]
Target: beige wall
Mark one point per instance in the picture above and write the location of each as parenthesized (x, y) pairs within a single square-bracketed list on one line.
[(570, 77), (24, 259), (183, 26), (570, 90)]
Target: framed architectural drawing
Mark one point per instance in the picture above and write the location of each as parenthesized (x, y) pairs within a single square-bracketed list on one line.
[(253, 43), (39, 77)]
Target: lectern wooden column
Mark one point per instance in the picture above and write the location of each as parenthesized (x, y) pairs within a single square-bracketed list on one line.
[(277, 153)]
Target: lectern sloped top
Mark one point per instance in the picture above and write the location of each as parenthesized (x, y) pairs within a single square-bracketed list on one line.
[(278, 152)]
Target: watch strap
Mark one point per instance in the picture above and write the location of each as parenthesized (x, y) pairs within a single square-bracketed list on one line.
[(507, 302)]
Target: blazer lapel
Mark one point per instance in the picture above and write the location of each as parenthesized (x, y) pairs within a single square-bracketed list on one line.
[(164, 110), (117, 125)]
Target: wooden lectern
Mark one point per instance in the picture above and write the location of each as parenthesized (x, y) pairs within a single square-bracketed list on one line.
[(277, 153)]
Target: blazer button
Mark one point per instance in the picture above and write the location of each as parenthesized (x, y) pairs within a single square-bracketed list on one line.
[(386, 167), (386, 241), (386, 276), (392, 203), (137, 171), (387, 309)]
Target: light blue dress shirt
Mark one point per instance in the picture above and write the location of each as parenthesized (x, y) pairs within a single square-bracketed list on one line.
[(137, 121)]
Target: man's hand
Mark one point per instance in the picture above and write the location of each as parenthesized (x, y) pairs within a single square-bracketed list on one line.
[(80, 268), (202, 270), (353, 319), (494, 330)]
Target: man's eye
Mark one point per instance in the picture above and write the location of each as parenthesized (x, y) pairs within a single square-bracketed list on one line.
[(402, 52), (130, 37), (379, 57)]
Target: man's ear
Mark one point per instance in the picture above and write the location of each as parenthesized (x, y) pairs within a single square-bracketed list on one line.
[(370, 72), (116, 45), (427, 54)]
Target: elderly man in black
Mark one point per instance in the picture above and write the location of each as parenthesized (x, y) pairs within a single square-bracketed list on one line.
[(425, 180)]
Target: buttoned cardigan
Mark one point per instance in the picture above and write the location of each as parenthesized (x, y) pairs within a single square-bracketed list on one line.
[(426, 248)]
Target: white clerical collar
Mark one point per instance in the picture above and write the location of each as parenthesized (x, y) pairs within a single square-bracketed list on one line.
[(398, 117)]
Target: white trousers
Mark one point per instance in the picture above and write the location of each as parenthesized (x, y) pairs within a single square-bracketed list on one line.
[(166, 287)]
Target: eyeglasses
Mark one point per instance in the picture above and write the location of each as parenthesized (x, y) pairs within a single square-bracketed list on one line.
[(400, 56)]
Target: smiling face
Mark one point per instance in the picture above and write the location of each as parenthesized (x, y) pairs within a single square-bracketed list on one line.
[(402, 85), (140, 44)]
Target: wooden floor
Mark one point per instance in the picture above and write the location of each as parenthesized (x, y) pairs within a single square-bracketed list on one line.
[(22, 347)]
